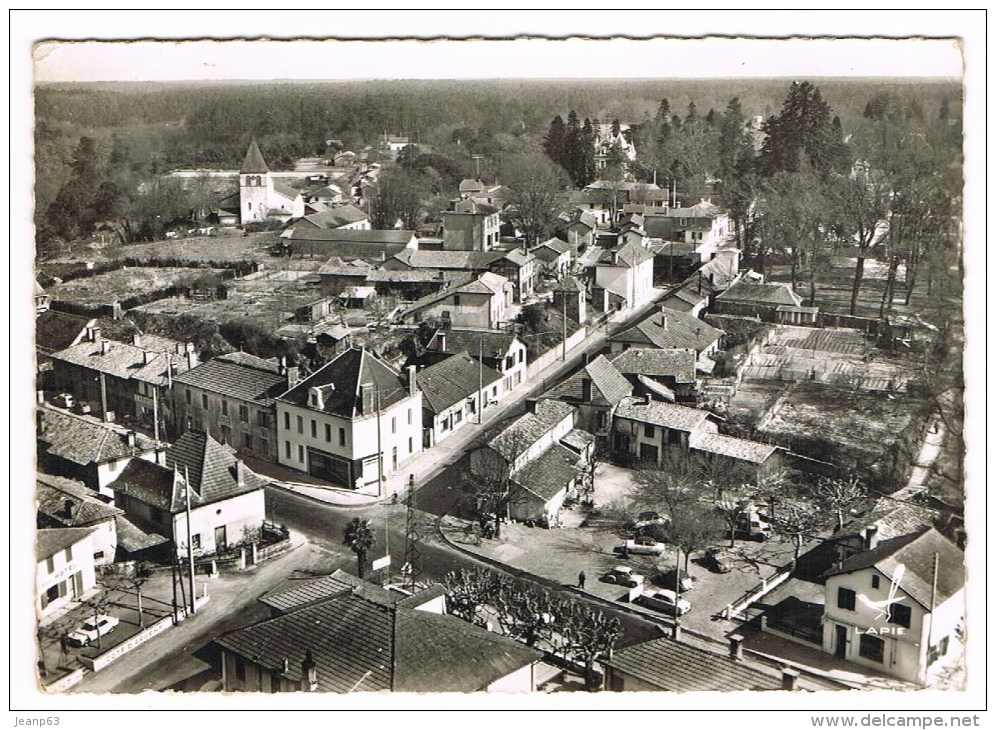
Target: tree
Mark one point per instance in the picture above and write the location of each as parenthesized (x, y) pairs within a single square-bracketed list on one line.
[(573, 147), (359, 536), (861, 203), (554, 144), (734, 142), (839, 494), (397, 197), (802, 130), (536, 194), (586, 172), (796, 520)]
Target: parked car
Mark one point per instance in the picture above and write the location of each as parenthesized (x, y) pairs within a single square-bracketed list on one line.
[(644, 546), (719, 559), (89, 630), (646, 519), (667, 579), (667, 601), (623, 575), (66, 400), (753, 526)]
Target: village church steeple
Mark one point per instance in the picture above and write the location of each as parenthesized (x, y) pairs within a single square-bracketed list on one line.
[(255, 186)]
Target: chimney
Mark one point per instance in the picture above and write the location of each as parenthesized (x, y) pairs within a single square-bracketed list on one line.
[(531, 405), (441, 339), (412, 380), (191, 356), (40, 396), (130, 438), (309, 673), (366, 398), (146, 356), (737, 647), (664, 321), (676, 631), (105, 347), (67, 508), (136, 339), (286, 665), (789, 678), (292, 377), (871, 537), (240, 474), (179, 348), (93, 334), (585, 358), (586, 390)]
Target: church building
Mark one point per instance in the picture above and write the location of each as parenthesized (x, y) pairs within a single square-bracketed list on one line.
[(260, 196)]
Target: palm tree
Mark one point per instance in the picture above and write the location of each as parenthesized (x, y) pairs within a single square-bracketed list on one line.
[(360, 538)]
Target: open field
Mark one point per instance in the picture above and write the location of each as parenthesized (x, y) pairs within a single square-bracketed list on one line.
[(228, 244), (121, 284)]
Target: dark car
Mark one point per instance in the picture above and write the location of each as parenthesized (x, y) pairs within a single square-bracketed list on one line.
[(667, 579), (719, 559)]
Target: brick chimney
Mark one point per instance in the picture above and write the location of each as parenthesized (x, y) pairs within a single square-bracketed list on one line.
[(531, 405), (790, 677), (871, 537), (664, 321), (191, 355), (737, 647), (93, 334), (293, 375), (136, 339), (309, 673), (67, 508), (441, 340), (240, 474), (412, 380), (131, 438)]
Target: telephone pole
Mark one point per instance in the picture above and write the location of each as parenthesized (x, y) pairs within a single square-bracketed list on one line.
[(412, 567), (480, 377), (190, 543)]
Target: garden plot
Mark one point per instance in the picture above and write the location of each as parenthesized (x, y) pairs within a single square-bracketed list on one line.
[(122, 284)]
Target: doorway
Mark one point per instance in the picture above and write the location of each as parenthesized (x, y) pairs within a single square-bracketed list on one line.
[(220, 538), (840, 646)]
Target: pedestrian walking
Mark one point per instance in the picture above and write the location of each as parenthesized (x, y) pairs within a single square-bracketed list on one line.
[(581, 578)]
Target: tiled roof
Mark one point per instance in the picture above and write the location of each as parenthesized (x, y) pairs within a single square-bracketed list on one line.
[(893, 518), (474, 207), (673, 666), (131, 539), (715, 443), (123, 360), (333, 218), (914, 553), (214, 471), (254, 160), (608, 385), (577, 440), (657, 363), (345, 374), (629, 255), (359, 644), (517, 257), (679, 418), (452, 380), (306, 593), (471, 260), (488, 343), (153, 485), (84, 440), (657, 388), (446, 278), (310, 233), (683, 330), (750, 292), (70, 504), (528, 428), (337, 266), (49, 542), (488, 284), (569, 284), (468, 185), (56, 330), (281, 188), (554, 244), (242, 381)]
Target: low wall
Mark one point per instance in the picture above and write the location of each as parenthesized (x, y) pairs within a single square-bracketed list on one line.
[(64, 683), (554, 353)]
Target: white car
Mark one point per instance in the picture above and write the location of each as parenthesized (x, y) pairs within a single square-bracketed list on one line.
[(90, 629), (644, 546), (623, 575), (666, 601)]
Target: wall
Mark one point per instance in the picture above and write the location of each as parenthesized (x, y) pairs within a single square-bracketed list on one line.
[(474, 310), (521, 680), (361, 437), (245, 510), (554, 353), (616, 279), (76, 573), (635, 431), (260, 429)]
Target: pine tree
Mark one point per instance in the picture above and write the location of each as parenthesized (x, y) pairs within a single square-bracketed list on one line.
[(803, 128), (587, 166), (573, 148), (555, 140)]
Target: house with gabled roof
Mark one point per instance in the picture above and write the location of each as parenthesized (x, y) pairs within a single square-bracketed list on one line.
[(54, 331), (479, 303), (671, 330), (470, 226), (898, 606), (645, 429), (343, 634), (628, 272), (454, 392), (556, 256), (667, 374), (520, 268), (339, 218), (352, 422), (65, 569), (372, 246), (579, 226), (84, 448), (227, 502), (497, 349), (231, 397), (470, 261), (755, 299), (66, 503), (595, 390)]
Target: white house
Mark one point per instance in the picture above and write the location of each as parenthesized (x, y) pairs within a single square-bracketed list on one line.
[(897, 607), (499, 351), (67, 504), (65, 570), (628, 272), (353, 422), (479, 303), (262, 197), (455, 391)]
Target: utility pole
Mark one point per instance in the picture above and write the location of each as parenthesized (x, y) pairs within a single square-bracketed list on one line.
[(380, 452), (412, 568), (190, 543), (103, 396), (480, 377), (564, 343), (155, 412)]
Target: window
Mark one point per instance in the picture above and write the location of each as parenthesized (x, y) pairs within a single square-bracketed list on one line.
[(287, 449), (224, 407), (522, 355), (342, 437), (204, 400), (247, 441), (648, 430), (900, 615), (673, 437), (50, 564), (328, 433), (394, 459), (67, 554), (195, 541), (226, 435), (300, 424), (99, 555), (314, 428), (456, 300), (244, 414), (262, 419), (409, 416), (112, 466), (845, 599), (186, 395), (410, 445), (287, 421), (875, 581), (300, 453), (871, 647), (457, 416), (394, 425)]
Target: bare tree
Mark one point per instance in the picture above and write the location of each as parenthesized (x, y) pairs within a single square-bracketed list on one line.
[(839, 494), (796, 519)]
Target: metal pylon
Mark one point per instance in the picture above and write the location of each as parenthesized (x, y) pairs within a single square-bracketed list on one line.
[(412, 569)]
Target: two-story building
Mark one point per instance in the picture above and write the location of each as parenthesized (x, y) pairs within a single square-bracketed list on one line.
[(352, 422), (594, 391), (899, 606), (628, 272), (231, 397), (672, 330), (501, 351), (68, 504), (480, 303), (470, 226), (704, 225), (645, 429), (65, 569), (455, 391), (579, 227), (520, 268), (227, 502), (554, 255), (667, 374)]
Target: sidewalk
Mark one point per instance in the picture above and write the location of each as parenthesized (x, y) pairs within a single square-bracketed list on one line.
[(929, 450), (427, 464)]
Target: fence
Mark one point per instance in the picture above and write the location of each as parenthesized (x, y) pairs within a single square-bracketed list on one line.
[(733, 610), (554, 353)]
